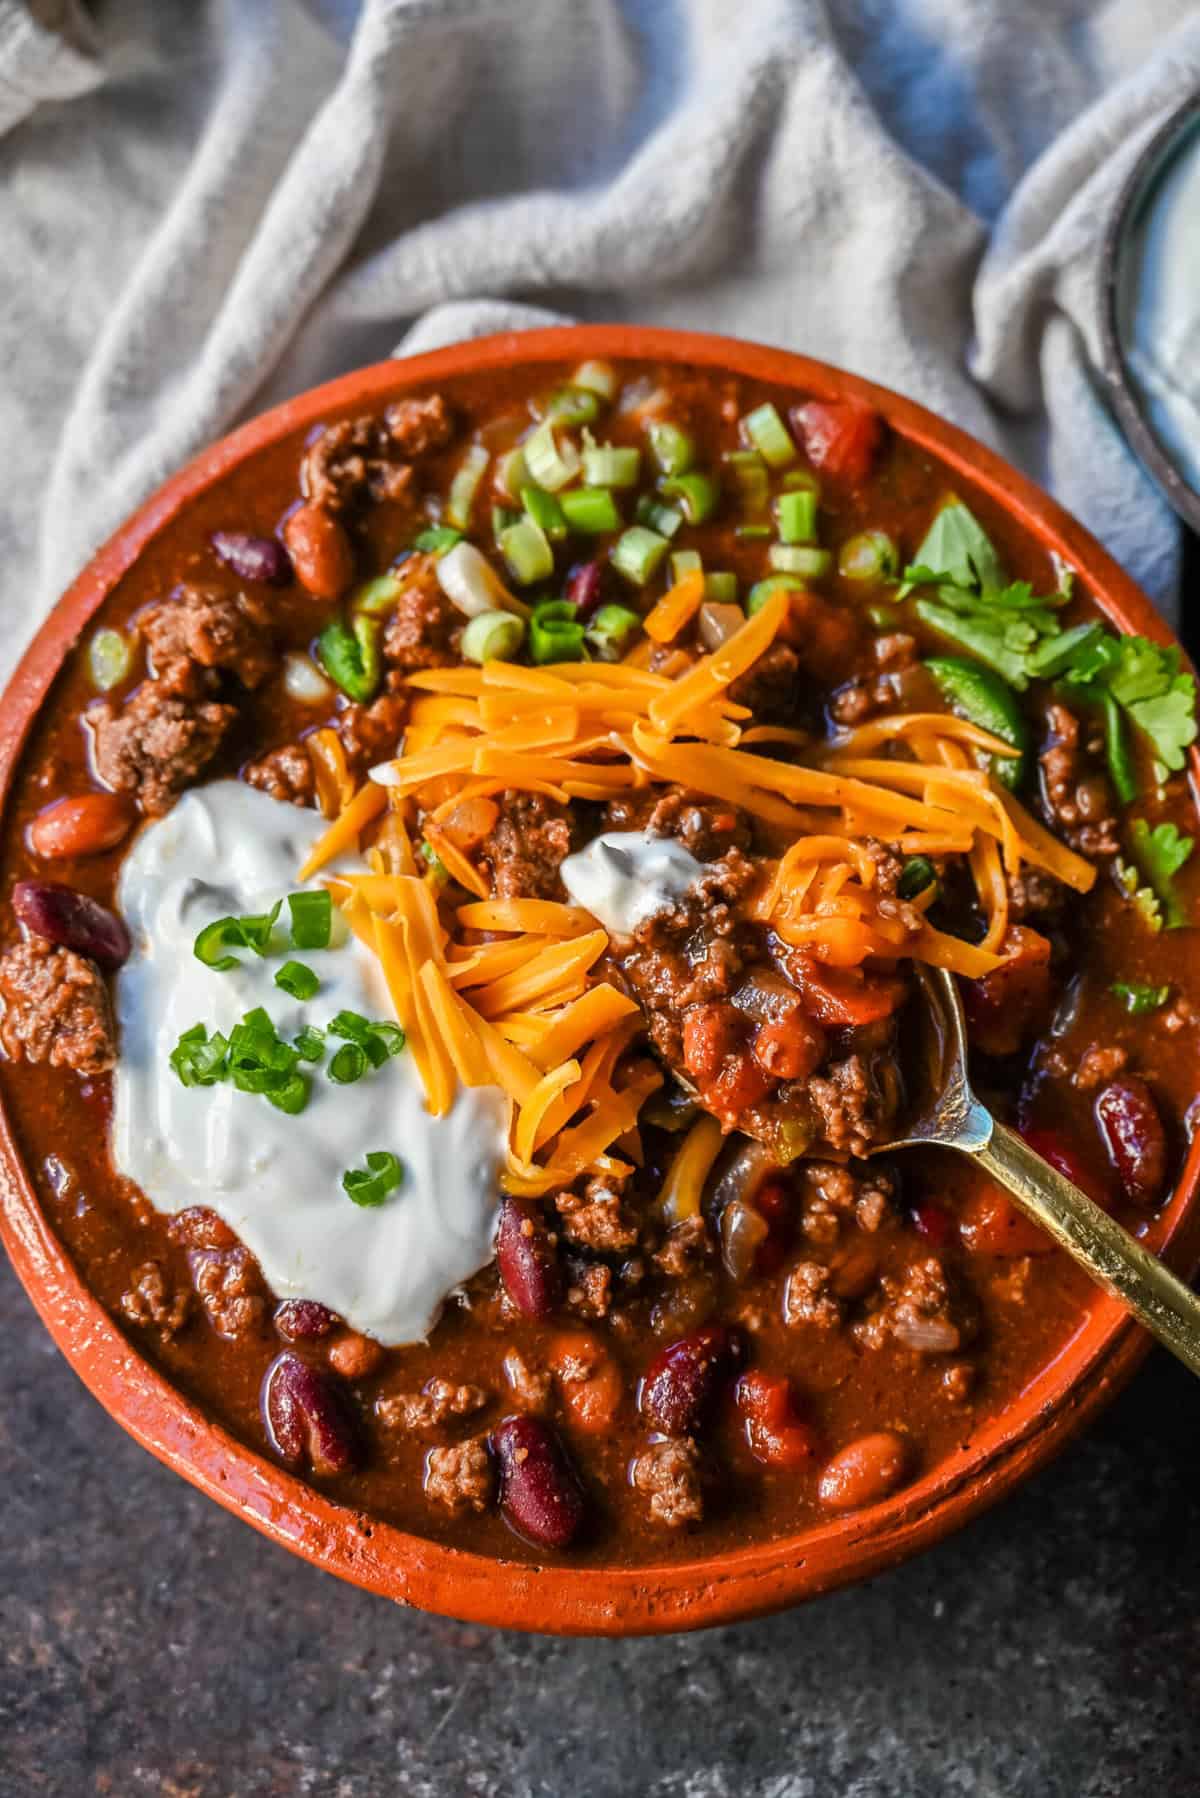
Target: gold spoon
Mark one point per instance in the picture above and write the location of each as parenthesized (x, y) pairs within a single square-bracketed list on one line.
[(952, 1117)]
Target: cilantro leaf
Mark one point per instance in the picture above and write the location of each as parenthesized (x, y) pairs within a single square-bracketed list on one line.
[(1140, 897), (959, 548), (1138, 999), (988, 639), (1160, 853)]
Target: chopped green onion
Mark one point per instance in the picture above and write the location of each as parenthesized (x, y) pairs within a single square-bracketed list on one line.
[(493, 637), (297, 980), (110, 658), (348, 1065), (381, 1176), (751, 479), (611, 631), (769, 435), (871, 556), (309, 1044), (685, 561), (611, 465), (198, 1059), (798, 516), (527, 552), (256, 928), (470, 582), (721, 587), (464, 486), (351, 657), (573, 406), (1138, 999), (796, 478), (753, 532), (882, 618), (551, 464), (638, 554), (696, 491), (222, 934), (261, 1062), (597, 377), (437, 873), (762, 590), (790, 558), (1056, 654), (671, 448), (377, 1041), (545, 512), (554, 633), (312, 919), (915, 877), (651, 512), (591, 510), (437, 540), (512, 474), (502, 517), (291, 1095), (377, 596)]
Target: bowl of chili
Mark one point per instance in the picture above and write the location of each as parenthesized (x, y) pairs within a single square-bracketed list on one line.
[(536, 764)]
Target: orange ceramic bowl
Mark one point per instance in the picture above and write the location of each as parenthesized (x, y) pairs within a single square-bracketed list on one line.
[(619, 1600)]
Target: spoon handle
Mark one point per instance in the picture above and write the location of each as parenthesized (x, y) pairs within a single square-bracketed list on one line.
[(1119, 1263)]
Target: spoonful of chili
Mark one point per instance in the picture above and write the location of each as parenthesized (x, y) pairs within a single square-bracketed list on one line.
[(948, 1113)]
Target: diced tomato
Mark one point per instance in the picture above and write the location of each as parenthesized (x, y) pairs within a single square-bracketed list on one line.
[(841, 998), (773, 1202), (990, 1224), (790, 1048), (777, 1435), (933, 1222), (1009, 1006), (840, 437)]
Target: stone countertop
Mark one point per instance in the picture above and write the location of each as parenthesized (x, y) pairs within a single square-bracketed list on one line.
[(151, 1644)]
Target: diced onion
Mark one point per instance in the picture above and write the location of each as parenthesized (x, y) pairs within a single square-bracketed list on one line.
[(472, 585), (304, 682), (600, 377), (718, 623)]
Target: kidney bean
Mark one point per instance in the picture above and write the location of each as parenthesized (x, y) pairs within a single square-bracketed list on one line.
[(774, 1202), (932, 1221), (321, 552), (307, 1419), (990, 1224), (304, 1320), (791, 1048), (777, 1434), (1051, 1148), (589, 1380), (585, 589), (540, 1496), (62, 915), (355, 1357), (681, 1382), (865, 1471), (527, 1258), (84, 825), (855, 1271), (253, 558), (1133, 1133)]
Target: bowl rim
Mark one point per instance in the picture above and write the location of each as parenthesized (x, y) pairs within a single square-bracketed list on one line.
[(416, 1570), (1148, 446)]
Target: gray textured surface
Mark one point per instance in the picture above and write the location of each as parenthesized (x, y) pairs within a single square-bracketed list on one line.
[(150, 1644)]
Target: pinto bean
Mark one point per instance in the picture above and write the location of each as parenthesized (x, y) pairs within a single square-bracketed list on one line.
[(681, 1382), (865, 1471), (540, 1496), (589, 1380), (304, 1320), (62, 915), (253, 558), (308, 1422), (354, 1357), (86, 824), (527, 1259), (321, 552), (1133, 1133), (778, 1436)]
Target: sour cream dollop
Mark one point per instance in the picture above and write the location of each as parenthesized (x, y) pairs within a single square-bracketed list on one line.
[(277, 1180), (627, 876)]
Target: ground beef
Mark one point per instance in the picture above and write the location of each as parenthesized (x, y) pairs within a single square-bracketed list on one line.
[(707, 828), (849, 1105), (1076, 796), (199, 630), (200, 1228), (867, 695), (367, 458), (56, 1008), (1034, 894), (230, 1287), (530, 1385), (922, 1309), (371, 733), (1098, 1065), (668, 1474), (285, 774), (423, 629), (460, 1477), (769, 686), (807, 1300), (151, 1301), (688, 1245), (155, 744), (595, 1219), (590, 1291), (425, 1410), (527, 846)]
